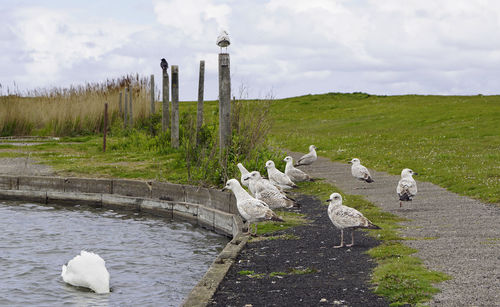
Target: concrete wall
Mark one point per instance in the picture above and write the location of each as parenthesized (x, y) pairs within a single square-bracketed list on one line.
[(211, 209)]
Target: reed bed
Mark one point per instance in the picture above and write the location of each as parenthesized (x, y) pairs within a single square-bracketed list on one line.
[(77, 110)]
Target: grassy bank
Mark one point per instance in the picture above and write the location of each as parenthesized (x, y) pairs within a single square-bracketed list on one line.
[(452, 141)]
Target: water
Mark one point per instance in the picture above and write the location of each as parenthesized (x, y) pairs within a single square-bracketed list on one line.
[(151, 261)]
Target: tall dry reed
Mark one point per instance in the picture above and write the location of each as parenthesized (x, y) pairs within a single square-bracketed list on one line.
[(75, 110)]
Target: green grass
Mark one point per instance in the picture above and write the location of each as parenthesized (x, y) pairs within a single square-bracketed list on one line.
[(291, 219), (452, 141)]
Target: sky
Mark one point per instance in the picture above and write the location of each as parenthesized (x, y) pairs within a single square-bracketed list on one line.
[(279, 48)]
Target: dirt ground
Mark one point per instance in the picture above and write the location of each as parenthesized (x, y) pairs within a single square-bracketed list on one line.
[(335, 276)]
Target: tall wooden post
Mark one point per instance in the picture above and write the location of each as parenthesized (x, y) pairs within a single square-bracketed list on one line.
[(165, 120), (152, 95), (105, 127), (120, 104), (199, 112), (125, 109), (175, 107), (130, 117), (224, 101)]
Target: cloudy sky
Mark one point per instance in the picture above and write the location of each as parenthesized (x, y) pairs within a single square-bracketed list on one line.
[(279, 47)]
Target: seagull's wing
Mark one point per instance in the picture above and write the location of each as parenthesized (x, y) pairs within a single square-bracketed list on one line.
[(406, 189), (297, 175), (348, 217)]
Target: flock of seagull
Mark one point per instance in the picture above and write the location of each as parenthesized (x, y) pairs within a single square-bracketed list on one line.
[(267, 194)]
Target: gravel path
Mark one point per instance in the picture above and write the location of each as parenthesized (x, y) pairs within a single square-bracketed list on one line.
[(467, 232), (23, 167), (339, 277)]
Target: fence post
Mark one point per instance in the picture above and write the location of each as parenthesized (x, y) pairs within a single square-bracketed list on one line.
[(165, 120), (105, 127), (120, 103), (199, 111), (175, 107), (224, 102), (125, 109), (130, 117)]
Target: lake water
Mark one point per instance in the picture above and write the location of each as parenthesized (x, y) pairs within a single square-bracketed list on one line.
[(151, 261)]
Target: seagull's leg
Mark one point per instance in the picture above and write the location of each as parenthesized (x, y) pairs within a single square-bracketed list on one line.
[(400, 204), (341, 239), (352, 239)]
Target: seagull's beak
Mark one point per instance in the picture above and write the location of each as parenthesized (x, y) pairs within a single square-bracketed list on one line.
[(350, 162), (224, 189), (328, 200), (415, 173)]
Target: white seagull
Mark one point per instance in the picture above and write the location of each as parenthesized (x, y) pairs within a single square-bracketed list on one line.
[(344, 217), (223, 40), (295, 174), (243, 172), (267, 192), (407, 186), (87, 270), (308, 158), (359, 171), (251, 209), (277, 177)]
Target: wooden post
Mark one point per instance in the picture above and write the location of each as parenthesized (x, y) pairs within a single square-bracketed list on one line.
[(165, 120), (125, 109), (199, 112), (224, 102), (152, 95), (175, 107), (105, 127), (120, 103), (130, 117)]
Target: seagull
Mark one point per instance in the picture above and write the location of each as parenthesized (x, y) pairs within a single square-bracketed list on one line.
[(87, 270), (407, 186), (267, 192), (344, 217), (243, 172), (277, 177), (251, 209), (359, 171), (308, 158), (223, 40), (164, 64), (295, 174)]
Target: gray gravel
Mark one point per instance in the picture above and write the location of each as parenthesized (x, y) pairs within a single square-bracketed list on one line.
[(467, 232), (23, 167)]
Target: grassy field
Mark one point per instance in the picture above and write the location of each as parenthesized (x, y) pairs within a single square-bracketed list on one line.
[(452, 141)]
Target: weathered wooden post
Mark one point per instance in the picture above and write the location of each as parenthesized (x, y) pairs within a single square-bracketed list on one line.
[(152, 95), (105, 127), (125, 109), (224, 94), (130, 117), (165, 101), (224, 101), (152, 110), (199, 111), (120, 103), (175, 107)]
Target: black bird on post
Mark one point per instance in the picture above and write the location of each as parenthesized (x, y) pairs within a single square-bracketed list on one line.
[(164, 64)]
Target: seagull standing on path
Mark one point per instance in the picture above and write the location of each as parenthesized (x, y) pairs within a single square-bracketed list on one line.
[(267, 192), (308, 158), (407, 186), (223, 40), (359, 171), (243, 172), (251, 209), (295, 174), (277, 177), (344, 217)]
